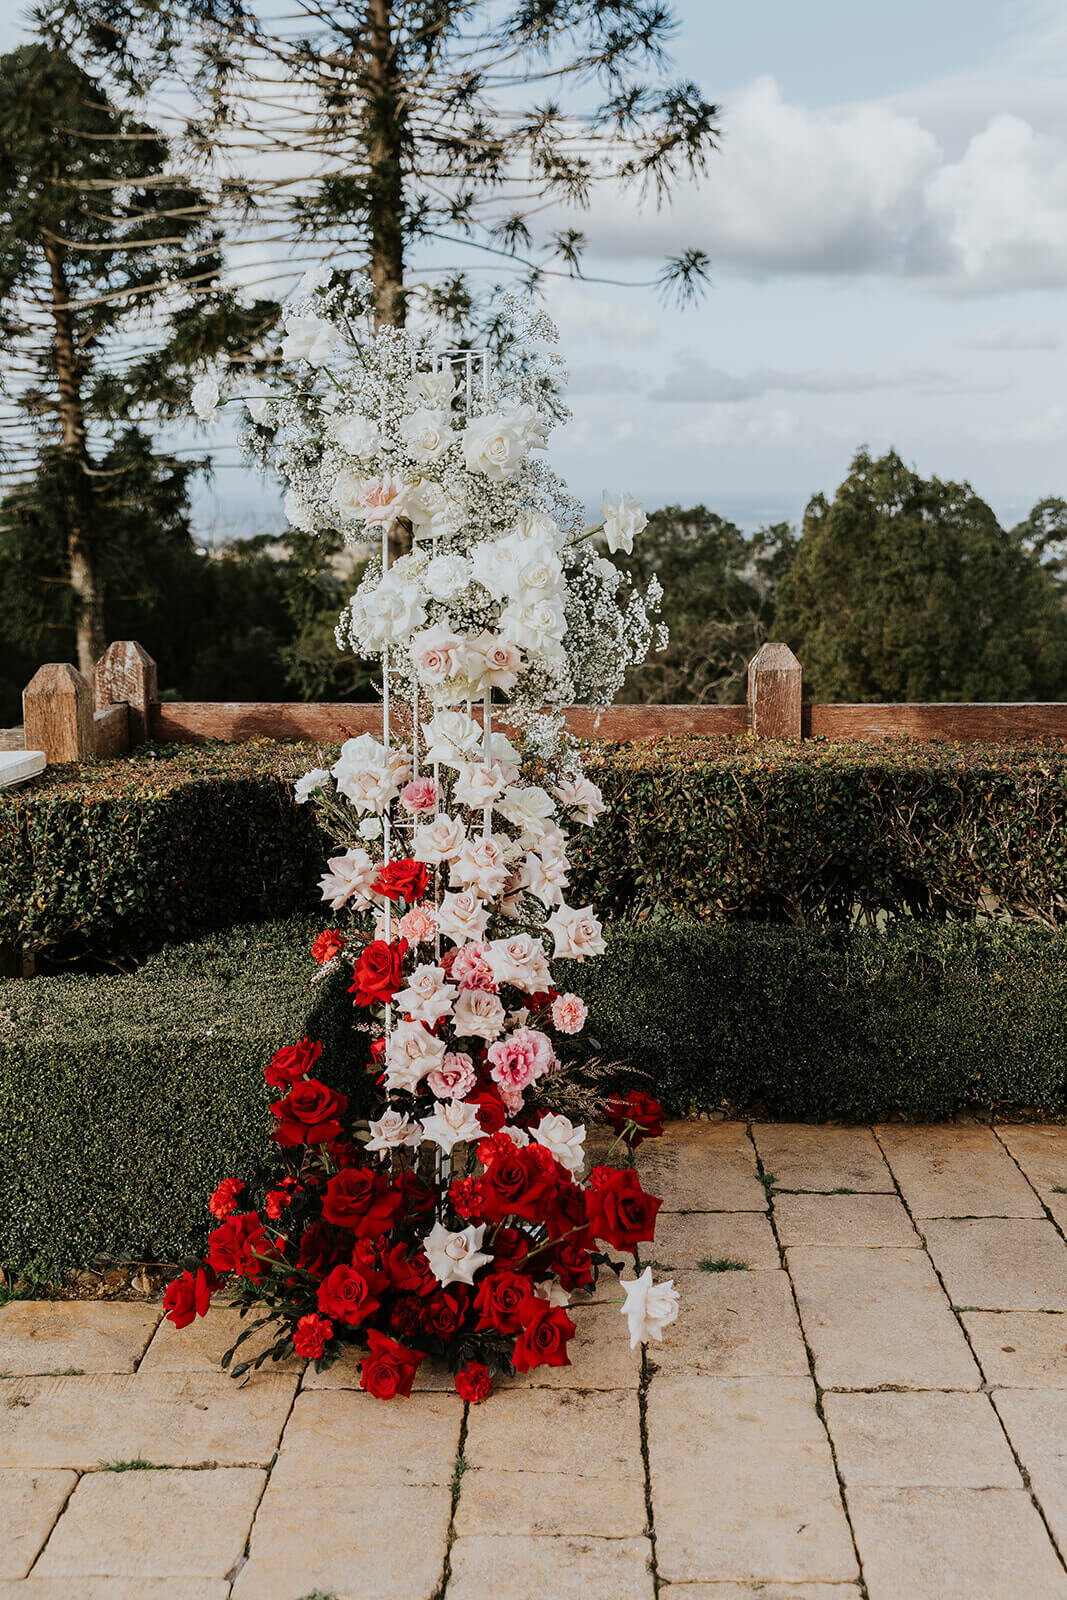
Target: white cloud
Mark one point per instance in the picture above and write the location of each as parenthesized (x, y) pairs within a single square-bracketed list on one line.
[(581, 316), (1045, 428), (606, 377), (1012, 339), (694, 380)]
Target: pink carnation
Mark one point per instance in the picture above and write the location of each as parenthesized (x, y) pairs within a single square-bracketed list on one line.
[(419, 795), (419, 924), (523, 1056), (454, 1078), (569, 1013), (471, 970)]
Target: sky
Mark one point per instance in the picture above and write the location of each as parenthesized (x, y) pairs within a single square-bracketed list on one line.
[(887, 225)]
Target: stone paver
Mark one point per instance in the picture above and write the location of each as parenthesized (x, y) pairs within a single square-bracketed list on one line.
[(992, 1265), (168, 1419), (876, 1317), (856, 1219), (686, 1238), (734, 1325), (565, 1569), (57, 1336), (954, 1544), (954, 1171), (743, 1486), (947, 1441), (954, 1473), (805, 1156), (30, 1502), (702, 1166), (163, 1524), (1020, 1349), (1036, 1420)]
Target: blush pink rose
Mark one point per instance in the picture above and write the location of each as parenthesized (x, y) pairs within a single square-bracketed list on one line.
[(471, 969), (419, 796), (569, 1013), (519, 1059)]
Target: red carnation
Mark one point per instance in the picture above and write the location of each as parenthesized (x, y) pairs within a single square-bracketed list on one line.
[(378, 973), (275, 1202), (310, 1336), (345, 1296), (634, 1116), (466, 1197), (309, 1114), (543, 1341), (619, 1210), (189, 1297), (362, 1200), (329, 943), (473, 1382), (390, 1368), (292, 1062), (505, 1302), (223, 1202), (239, 1246), (402, 880)]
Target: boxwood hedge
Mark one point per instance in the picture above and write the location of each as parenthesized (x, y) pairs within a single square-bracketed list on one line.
[(114, 858), (124, 1098)]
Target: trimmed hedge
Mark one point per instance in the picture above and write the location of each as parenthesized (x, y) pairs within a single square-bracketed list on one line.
[(123, 1100), (113, 858)]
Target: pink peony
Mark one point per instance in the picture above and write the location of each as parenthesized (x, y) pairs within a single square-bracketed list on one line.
[(517, 1060), (419, 796), (470, 968), (569, 1013)]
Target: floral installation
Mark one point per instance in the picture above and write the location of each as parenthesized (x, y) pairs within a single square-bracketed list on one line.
[(459, 1219)]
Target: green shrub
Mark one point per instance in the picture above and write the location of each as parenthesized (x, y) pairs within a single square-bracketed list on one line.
[(123, 1100), (113, 858)]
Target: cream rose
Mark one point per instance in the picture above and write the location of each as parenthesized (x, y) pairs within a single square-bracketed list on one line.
[(576, 931)]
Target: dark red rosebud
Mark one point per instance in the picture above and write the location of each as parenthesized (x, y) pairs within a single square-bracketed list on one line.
[(634, 1117), (293, 1061), (240, 1246)]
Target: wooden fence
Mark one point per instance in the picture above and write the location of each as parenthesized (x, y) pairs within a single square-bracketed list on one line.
[(69, 721)]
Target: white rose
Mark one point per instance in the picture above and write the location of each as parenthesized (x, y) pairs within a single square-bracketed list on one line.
[(393, 1131), (433, 388), (622, 521), (259, 401), (563, 1141), (411, 1053), (498, 661), (581, 798), (526, 808), (494, 566), (462, 917), (481, 864), (479, 784), (546, 879), (309, 339), (540, 575), (478, 1013), (496, 445), (538, 625), (314, 278), (205, 396), (390, 613), (357, 434), (427, 996), (304, 787), (455, 1257), (649, 1307), (438, 654), (349, 878), (451, 737), (533, 425), (441, 841), (427, 435), (519, 960), (576, 931), (434, 512), (453, 1122), (536, 527)]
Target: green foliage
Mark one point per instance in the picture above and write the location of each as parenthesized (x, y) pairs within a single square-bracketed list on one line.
[(97, 858), (904, 588), (124, 1099), (718, 602)]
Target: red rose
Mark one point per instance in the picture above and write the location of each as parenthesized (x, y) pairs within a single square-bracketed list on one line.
[(405, 1317), (491, 1111), (362, 1200), (377, 1051), (411, 1277), (619, 1210), (321, 1248), (572, 1265), (378, 973), (292, 1062), (443, 1313), (369, 1260), (517, 1183), (543, 1341), (310, 1336), (390, 1368), (566, 1214), (345, 1296), (510, 1247), (417, 1197), (329, 943), (344, 1153), (223, 1202), (402, 880), (473, 1382), (189, 1297), (505, 1302), (239, 1246), (634, 1116), (308, 1114)]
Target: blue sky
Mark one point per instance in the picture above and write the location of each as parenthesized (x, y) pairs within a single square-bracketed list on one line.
[(887, 223)]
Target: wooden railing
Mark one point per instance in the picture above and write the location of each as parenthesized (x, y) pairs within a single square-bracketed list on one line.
[(69, 721)]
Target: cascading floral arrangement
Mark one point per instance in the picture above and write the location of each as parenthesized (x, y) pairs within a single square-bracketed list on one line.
[(457, 1220)]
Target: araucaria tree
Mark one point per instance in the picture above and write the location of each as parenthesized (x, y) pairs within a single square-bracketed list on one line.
[(110, 284), (395, 135)]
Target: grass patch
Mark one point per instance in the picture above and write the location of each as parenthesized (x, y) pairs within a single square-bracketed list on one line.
[(722, 1264)]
